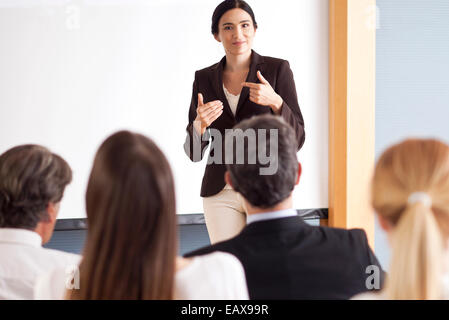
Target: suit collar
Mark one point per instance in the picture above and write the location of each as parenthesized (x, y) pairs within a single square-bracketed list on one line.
[(256, 62), (274, 225), (251, 218)]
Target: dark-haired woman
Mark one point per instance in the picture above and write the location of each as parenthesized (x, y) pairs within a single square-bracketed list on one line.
[(241, 85), (131, 244)]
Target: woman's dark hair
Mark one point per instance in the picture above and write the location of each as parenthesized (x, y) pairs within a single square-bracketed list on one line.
[(227, 5), (31, 177), (131, 240)]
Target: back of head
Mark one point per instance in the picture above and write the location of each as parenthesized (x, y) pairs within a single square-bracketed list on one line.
[(263, 165), (130, 202), (410, 190), (31, 177)]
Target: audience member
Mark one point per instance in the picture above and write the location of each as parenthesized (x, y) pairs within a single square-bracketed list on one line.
[(410, 194), (32, 183), (131, 243), (284, 257)]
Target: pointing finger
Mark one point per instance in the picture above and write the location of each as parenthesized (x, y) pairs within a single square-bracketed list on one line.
[(261, 78), (250, 85)]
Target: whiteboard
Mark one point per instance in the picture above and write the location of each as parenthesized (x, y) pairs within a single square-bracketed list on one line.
[(74, 72)]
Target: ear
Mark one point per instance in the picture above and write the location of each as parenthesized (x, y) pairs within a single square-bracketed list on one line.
[(52, 210), (299, 173), (384, 224), (228, 179), (217, 37)]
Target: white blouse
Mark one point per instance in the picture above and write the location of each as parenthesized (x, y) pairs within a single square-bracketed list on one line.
[(215, 276), (233, 101)]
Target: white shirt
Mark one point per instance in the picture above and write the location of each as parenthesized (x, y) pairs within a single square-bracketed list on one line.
[(215, 276), (23, 260), (233, 101), (270, 215)]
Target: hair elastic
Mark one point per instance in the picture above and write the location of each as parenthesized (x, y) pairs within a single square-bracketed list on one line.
[(420, 196)]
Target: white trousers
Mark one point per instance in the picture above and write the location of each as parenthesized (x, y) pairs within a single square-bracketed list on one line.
[(224, 214)]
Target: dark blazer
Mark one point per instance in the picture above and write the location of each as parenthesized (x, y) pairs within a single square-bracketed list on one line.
[(209, 82), (288, 259)]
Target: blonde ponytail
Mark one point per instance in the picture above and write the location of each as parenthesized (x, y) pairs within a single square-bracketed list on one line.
[(417, 249), (410, 191)]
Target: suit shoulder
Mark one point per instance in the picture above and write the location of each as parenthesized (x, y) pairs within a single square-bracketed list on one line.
[(358, 235), (207, 70), (351, 236), (224, 246), (350, 245)]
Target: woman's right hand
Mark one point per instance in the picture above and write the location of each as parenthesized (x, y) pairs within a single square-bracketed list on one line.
[(206, 114)]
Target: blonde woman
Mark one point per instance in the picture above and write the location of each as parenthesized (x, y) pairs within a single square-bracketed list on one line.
[(410, 194)]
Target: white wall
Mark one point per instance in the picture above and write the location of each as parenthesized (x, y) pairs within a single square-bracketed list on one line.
[(412, 78), (73, 72)]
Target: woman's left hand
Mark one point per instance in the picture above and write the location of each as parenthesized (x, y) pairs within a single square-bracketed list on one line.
[(263, 94)]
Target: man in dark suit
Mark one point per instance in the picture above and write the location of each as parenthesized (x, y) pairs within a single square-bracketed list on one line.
[(284, 257)]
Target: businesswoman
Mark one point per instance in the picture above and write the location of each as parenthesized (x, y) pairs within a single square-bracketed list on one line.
[(241, 85)]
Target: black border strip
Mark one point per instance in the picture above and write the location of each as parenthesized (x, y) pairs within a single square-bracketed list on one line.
[(185, 219)]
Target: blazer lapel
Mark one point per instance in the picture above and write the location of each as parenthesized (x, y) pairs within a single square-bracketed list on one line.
[(217, 80), (256, 62)]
